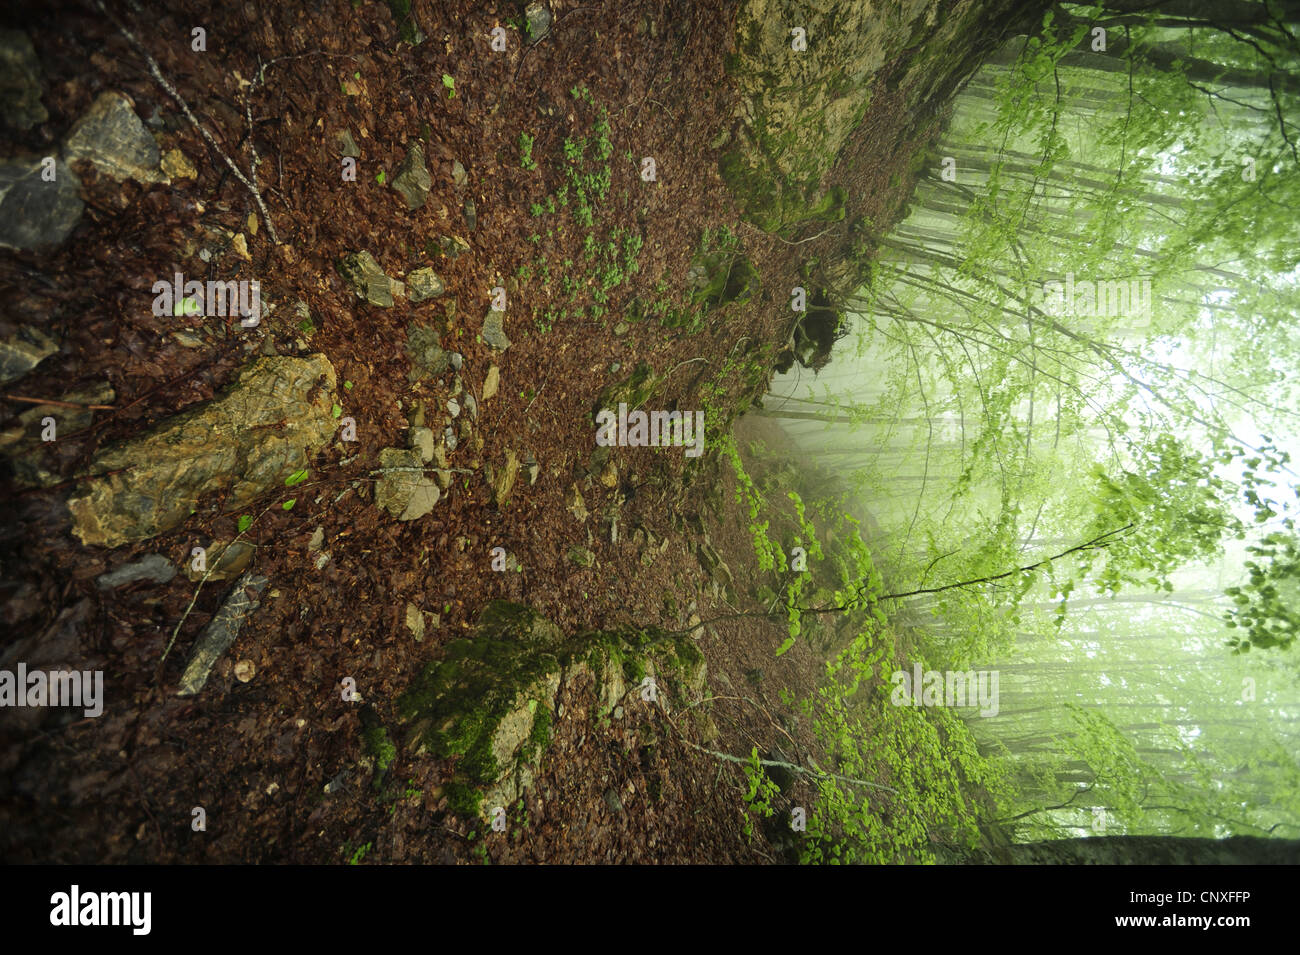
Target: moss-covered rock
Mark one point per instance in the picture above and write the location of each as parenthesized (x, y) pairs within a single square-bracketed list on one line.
[(490, 702)]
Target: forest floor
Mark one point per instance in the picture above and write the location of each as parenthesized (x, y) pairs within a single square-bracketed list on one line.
[(278, 762)]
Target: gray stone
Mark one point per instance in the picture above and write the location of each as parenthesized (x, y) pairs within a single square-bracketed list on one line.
[(415, 621), (412, 177), (458, 175), (621, 328), (428, 360), (243, 599), (453, 408), (154, 568), (471, 406), (612, 801), (367, 279), (537, 21), (33, 212), (317, 540), (422, 441), (457, 360), (263, 427), (471, 214), (20, 82), (453, 246), (224, 561), (113, 139), (449, 438), (23, 351), (582, 556), (504, 481), (424, 284), (404, 490), (347, 145), (494, 333)]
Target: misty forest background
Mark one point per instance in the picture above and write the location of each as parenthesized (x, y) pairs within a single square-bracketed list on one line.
[(1097, 503)]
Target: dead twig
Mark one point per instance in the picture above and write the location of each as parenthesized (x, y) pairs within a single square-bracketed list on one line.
[(55, 403), (156, 72)]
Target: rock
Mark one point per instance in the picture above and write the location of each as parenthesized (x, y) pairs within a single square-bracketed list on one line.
[(612, 802), (407, 494), (224, 561), (20, 82), (240, 246), (154, 568), (24, 350), (609, 474), (449, 438), (505, 480), (614, 366), (458, 175), (422, 441), (471, 214), (262, 428), (471, 406), (412, 177), (35, 213), (347, 145), (453, 408), (453, 246), (428, 360), (424, 284), (245, 670), (317, 540), (367, 279), (25, 430), (415, 621), (621, 328), (177, 166), (113, 139), (582, 556), (491, 382), (537, 21), (533, 471), (243, 600), (494, 333), (457, 361), (577, 506)]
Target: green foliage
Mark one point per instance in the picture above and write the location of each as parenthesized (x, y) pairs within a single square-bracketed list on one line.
[(760, 794), (526, 160), (449, 82)]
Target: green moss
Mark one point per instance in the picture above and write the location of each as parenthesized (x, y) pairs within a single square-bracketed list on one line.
[(464, 800), (380, 747)]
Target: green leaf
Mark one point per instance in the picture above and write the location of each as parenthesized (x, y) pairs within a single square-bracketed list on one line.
[(186, 306), (449, 81), (288, 505), (789, 642), (297, 477), (347, 385), (245, 522), (338, 411), (382, 177)]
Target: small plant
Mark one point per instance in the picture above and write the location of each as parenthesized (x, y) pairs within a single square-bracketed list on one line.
[(526, 152), (296, 478), (288, 505), (760, 794), (244, 523), (360, 854), (449, 81)]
